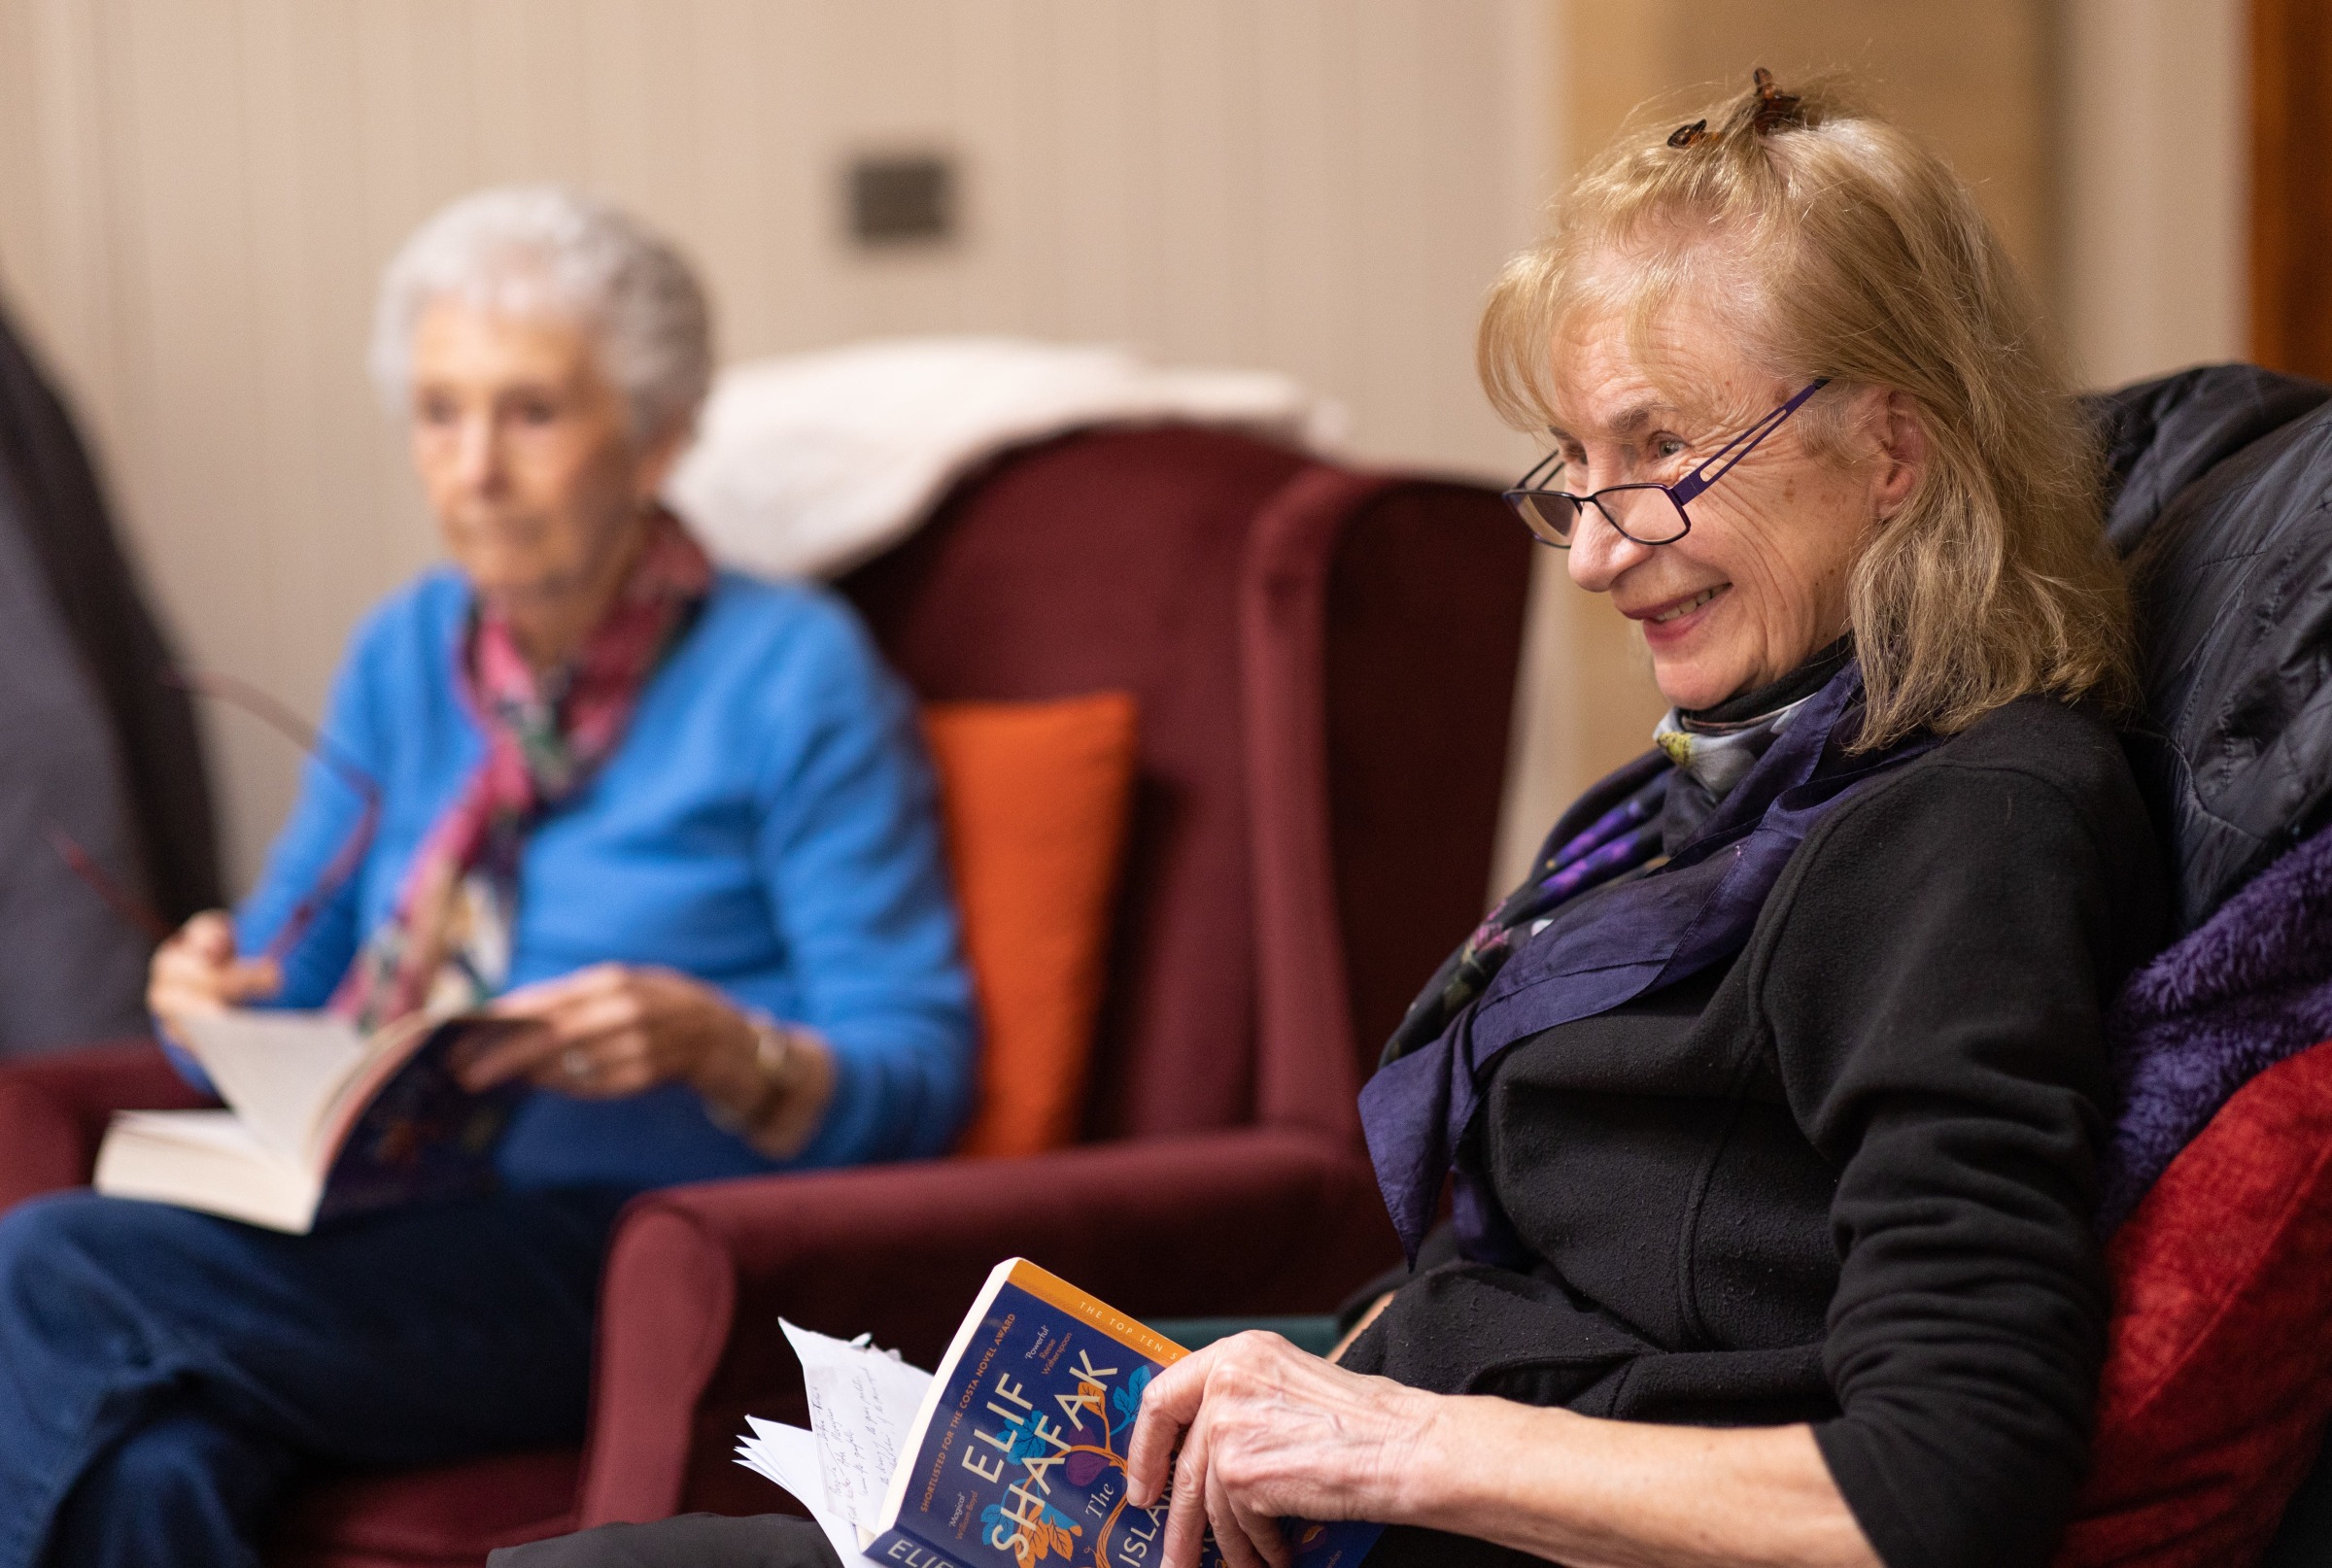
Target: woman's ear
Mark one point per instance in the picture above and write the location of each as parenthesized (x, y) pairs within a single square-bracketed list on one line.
[(656, 458), (1902, 454)]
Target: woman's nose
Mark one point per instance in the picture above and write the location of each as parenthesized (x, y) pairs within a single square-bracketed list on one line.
[(1599, 551), (478, 455)]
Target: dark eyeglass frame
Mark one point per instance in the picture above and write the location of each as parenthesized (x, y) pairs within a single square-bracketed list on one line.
[(1525, 496), (134, 910)]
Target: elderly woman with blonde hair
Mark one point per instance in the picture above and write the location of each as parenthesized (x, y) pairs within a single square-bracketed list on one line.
[(1771, 1100), (673, 822)]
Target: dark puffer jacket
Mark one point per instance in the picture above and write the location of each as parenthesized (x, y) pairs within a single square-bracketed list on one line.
[(2222, 501)]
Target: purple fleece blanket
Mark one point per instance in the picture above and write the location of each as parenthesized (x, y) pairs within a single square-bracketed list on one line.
[(2248, 987)]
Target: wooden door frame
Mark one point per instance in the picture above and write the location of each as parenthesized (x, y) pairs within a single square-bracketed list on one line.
[(2291, 186)]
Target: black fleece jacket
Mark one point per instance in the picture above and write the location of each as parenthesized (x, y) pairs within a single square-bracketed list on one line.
[(1847, 1178)]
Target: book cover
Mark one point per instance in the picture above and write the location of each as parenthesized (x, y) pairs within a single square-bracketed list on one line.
[(1019, 1455), (421, 1137)]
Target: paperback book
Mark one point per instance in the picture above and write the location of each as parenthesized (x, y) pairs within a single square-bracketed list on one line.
[(1012, 1451), (321, 1122)]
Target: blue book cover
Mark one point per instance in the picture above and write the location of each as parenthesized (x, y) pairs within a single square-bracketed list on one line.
[(1019, 1454), (415, 1135)]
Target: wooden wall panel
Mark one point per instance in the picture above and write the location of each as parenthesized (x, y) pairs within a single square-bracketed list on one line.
[(197, 196), (1976, 78), (2291, 187)]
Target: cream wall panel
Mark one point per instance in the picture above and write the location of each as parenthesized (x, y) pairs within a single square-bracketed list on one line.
[(197, 195), (2155, 115)]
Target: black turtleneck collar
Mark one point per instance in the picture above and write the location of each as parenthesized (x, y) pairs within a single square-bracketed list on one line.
[(1799, 683)]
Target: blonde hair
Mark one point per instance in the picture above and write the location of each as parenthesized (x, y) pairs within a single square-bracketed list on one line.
[(1836, 245)]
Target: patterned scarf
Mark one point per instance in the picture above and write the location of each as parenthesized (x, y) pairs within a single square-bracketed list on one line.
[(447, 946), (1650, 807), (1548, 957)]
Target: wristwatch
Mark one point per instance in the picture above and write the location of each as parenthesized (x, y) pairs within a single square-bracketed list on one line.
[(778, 1058)]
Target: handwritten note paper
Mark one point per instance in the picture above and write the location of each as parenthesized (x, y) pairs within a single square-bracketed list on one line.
[(862, 1405), (789, 1456)]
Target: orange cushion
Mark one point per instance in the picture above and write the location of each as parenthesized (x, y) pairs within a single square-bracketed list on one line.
[(2219, 1372), (1035, 798)]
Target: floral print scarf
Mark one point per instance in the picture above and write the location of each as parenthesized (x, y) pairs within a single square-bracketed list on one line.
[(447, 946)]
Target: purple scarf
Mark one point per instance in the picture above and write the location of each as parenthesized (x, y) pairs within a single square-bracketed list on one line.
[(1579, 957)]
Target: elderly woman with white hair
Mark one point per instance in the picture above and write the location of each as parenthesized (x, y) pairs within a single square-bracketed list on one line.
[(674, 820), (1770, 1105)]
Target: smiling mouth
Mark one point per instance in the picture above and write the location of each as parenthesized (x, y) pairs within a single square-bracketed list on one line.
[(1684, 607)]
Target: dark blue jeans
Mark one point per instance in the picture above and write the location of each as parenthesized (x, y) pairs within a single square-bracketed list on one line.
[(165, 1376)]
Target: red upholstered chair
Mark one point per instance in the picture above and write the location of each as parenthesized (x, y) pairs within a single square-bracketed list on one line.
[(53, 1110), (1324, 664)]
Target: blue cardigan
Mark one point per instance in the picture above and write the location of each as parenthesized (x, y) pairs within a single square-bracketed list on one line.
[(767, 825)]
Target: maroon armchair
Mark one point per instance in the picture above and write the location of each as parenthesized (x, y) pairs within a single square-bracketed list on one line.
[(1324, 662)]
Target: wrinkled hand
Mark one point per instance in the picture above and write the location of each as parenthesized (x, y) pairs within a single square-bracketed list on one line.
[(1268, 1432), (196, 972), (614, 1030)]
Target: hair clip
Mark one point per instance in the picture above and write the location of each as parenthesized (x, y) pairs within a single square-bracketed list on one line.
[(1686, 135), (1775, 107)]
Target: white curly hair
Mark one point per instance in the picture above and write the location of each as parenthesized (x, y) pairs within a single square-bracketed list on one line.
[(544, 250)]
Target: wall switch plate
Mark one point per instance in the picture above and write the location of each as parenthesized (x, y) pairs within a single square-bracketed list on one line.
[(902, 199)]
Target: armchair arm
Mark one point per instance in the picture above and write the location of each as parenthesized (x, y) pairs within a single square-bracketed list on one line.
[(53, 1109), (1249, 1221)]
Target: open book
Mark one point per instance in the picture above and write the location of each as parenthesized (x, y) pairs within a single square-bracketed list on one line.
[(1012, 1452), (321, 1122)]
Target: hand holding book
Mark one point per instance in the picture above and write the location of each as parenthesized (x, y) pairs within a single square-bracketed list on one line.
[(323, 1122), (1251, 1432), (1018, 1450), (618, 1029), (195, 973)]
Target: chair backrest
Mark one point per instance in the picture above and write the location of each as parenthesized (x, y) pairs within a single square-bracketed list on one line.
[(2212, 1395), (2221, 479), (1324, 666)]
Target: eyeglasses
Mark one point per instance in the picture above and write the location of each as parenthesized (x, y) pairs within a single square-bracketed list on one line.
[(1646, 512), (135, 910)]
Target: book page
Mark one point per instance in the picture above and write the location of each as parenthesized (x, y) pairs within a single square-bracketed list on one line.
[(278, 1070), (862, 1404), (206, 1160), (789, 1456), (219, 1131), (390, 1053)]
